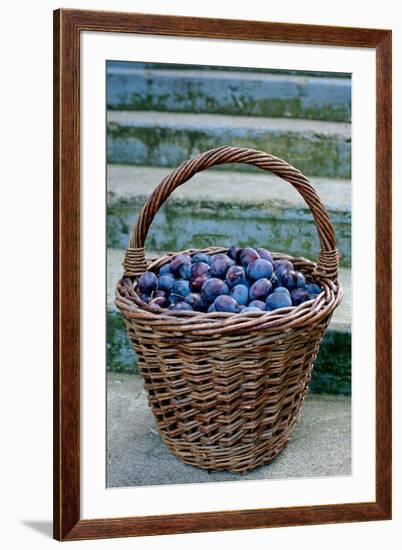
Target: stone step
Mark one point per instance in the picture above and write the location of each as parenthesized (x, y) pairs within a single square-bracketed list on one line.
[(133, 86), (150, 138), (332, 371), (218, 208), (185, 67)]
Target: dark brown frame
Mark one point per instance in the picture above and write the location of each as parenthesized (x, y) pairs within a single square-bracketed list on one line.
[(68, 24)]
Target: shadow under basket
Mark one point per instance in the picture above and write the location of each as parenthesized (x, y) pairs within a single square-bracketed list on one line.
[(226, 389)]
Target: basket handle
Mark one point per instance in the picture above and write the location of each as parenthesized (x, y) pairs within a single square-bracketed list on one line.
[(328, 258)]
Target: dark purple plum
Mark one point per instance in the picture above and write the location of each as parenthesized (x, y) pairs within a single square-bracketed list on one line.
[(196, 302), (200, 257), (265, 254), (260, 289), (248, 256), (251, 309), (160, 293), (226, 303), (199, 269), (196, 284), (212, 288), (184, 271), (165, 269), (242, 308), (148, 282), (301, 281), (233, 252), (257, 303), (180, 306), (277, 300), (240, 293), (180, 288), (160, 301), (259, 269), (211, 309), (282, 265), (298, 295), (282, 289), (177, 261), (235, 276), (313, 288), (288, 279), (145, 298), (175, 299), (165, 282), (220, 263), (274, 280)]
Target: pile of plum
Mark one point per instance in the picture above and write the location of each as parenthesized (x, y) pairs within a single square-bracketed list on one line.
[(243, 280)]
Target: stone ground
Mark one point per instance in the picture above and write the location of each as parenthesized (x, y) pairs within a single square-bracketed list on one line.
[(136, 455)]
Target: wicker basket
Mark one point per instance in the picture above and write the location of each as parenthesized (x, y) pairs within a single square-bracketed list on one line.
[(226, 389)]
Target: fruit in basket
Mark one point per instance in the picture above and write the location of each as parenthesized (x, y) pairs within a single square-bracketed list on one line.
[(220, 263), (226, 303), (165, 282), (299, 295), (243, 280), (199, 268), (201, 257), (235, 276), (148, 282), (265, 254), (260, 289), (240, 293), (180, 288), (247, 256), (178, 261), (278, 300), (212, 288)]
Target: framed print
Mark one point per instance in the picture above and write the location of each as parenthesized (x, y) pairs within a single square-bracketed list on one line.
[(222, 274)]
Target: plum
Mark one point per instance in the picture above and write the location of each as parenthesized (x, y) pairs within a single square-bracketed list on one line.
[(313, 288), (240, 293), (145, 298), (247, 256), (198, 269), (298, 295), (282, 289), (226, 303), (251, 309), (200, 257), (260, 289), (177, 261), (180, 306), (288, 279), (196, 302), (257, 303), (301, 281), (212, 288), (165, 269), (282, 265), (211, 309), (277, 300), (159, 301), (148, 282), (235, 276), (196, 284), (220, 263), (233, 252), (265, 254), (259, 269), (180, 288), (165, 282)]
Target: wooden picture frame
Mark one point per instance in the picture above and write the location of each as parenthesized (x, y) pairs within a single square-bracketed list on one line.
[(68, 24)]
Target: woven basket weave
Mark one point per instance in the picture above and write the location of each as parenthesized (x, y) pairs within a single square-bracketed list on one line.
[(226, 389)]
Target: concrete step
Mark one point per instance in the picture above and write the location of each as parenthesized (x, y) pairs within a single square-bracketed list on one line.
[(217, 208), (132, 86), (151, 138), (332, 371), (203, 68)]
